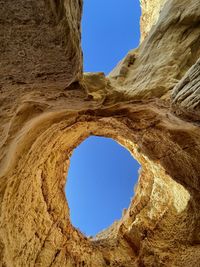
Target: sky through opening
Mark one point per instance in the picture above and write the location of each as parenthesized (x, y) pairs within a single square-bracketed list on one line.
[(102, 174), (100, 183), (110, 28)]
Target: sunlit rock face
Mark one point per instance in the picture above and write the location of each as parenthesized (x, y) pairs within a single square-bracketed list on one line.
[(167, 52), (149, 104), (150, 13)]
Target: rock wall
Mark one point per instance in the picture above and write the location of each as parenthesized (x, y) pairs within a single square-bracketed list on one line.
[(40, 40), (150, 13), (149, 104)]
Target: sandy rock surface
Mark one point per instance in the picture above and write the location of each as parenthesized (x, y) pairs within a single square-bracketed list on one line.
[(149, 104)]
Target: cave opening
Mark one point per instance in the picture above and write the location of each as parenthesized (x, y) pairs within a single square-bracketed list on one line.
[(100, 183), (109, 31)]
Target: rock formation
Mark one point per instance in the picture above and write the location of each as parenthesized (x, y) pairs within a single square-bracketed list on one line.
[(150, 103)]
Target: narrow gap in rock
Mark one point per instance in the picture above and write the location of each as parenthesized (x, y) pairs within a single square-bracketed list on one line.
[(109, 30), (100, 183)]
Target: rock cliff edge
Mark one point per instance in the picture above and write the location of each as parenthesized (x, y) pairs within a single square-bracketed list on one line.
[(150, 103)]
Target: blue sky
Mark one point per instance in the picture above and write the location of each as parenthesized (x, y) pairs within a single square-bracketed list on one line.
[(110, 28), (100, 183), (102, 173)]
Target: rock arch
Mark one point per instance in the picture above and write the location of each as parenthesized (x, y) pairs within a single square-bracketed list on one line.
[(46, 112)]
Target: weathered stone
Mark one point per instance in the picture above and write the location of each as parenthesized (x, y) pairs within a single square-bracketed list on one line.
[(168, 51), (149, 104), (40, 41), (150, 13), (186, 94)]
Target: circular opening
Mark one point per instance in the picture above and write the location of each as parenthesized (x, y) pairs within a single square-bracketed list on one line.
[(100, 183)]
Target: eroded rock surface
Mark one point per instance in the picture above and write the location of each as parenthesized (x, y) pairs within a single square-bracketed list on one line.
[(36, 33), (149, 104)]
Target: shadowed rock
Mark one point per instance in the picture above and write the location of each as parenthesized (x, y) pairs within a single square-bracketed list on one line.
[(149, 104)]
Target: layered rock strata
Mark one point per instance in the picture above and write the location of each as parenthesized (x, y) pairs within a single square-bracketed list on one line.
[(149, 104)]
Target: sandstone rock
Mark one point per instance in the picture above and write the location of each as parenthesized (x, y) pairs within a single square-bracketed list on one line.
[(149, 104), (168, 51), (186, 94), (150, 13), (40, 41)]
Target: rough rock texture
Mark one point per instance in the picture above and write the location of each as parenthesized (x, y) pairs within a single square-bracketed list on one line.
[(35, 33), (165, 55), (150, 13), (149, 104), (186, 94)]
